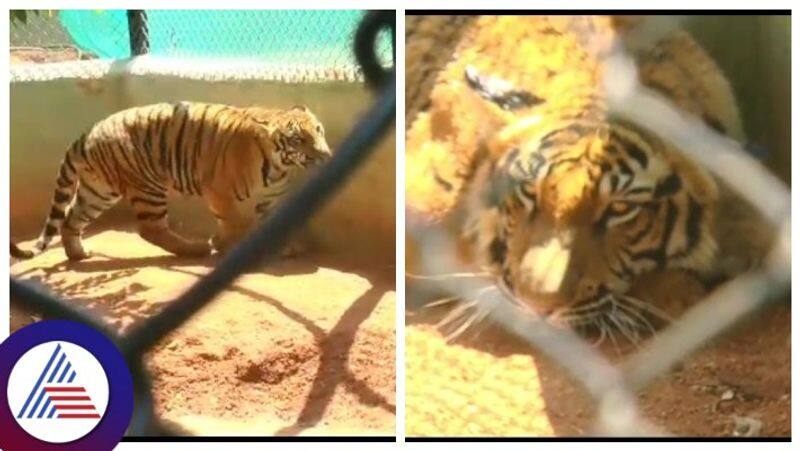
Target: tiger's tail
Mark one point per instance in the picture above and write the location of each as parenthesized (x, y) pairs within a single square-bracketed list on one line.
[(18, 252), (66, 187)]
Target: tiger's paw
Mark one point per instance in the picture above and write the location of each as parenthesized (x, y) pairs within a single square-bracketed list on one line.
[(293, 250), (73, 247), (220, 245), (671, 291), (195, 249), (77, 255)]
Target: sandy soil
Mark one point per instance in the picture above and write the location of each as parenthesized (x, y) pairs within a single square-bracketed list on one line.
[(306, 346), (491, 383)]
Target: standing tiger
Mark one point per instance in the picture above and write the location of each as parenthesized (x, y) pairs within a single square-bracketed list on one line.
[(584, 218), (240, 160)]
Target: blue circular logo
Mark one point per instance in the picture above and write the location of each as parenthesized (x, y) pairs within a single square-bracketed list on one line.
[(66, 387)]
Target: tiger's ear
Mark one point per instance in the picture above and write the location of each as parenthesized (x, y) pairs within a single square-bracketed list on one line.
[(302, 108)]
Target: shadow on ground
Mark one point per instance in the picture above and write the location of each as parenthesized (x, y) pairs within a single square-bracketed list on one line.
[(304, 346)]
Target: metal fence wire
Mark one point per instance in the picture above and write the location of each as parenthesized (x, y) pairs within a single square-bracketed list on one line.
[(261, 245), (613, 388), (308, 40)]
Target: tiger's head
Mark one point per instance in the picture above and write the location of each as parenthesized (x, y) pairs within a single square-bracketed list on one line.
[(297, 134), (568, 217)]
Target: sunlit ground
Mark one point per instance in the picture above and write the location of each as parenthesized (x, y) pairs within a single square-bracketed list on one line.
[(305, 346)]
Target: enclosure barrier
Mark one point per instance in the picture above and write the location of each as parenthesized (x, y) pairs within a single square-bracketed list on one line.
[(261, 245), (293, 46), (613, 388), (137, 30)]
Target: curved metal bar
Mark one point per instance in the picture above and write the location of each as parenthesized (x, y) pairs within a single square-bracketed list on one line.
[(364, 47)]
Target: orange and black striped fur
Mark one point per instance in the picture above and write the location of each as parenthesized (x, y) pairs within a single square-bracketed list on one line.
[(240, 160), (572, 210)]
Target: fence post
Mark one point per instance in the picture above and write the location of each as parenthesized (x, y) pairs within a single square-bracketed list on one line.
[(137, 29)]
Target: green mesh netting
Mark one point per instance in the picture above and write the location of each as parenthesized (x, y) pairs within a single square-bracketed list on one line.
[(308, 37)]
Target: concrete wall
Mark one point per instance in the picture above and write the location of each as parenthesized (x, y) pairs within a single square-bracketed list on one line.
[(47, 116), (754, 52)]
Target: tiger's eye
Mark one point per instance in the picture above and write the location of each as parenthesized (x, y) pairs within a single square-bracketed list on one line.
[(620, 208)]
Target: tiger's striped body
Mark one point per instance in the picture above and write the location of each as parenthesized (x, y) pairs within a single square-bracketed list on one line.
[(566, 206), (239, 160)]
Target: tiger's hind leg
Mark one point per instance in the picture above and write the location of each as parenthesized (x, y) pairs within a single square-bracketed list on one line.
[(90, 202), (151, 213)]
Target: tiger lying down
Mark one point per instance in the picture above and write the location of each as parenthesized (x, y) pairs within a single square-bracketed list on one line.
[(240, 160), (580, 217)]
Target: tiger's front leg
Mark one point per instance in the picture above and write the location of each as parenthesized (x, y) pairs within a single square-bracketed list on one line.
[(235, 221), (151, 212), (671, 291), (264, 210), (232, 223), (229, 233)]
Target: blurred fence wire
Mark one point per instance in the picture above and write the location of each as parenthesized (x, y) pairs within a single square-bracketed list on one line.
[(262, 244), (614, 387), (315, 41)]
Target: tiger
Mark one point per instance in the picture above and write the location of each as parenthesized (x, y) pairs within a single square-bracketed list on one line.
[(585, 219), (240, 160)]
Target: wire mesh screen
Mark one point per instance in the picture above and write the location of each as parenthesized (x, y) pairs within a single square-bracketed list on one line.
[(38, 37), (313, 41), (449, 388)]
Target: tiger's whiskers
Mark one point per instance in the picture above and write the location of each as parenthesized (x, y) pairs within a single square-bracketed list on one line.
[(446, 276), (441, 302), (649, 308), (611, 314), (465, 315)]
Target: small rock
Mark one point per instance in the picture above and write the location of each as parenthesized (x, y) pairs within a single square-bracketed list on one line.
[(727, 395), (723, 407), (210, 356), (746, 426)]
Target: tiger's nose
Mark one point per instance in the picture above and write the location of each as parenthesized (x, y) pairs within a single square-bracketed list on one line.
[(545, 311), (590, 289), (546, 266), (325, 150)]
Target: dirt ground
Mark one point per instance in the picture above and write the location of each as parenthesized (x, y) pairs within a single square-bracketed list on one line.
[(305, 346), (491, 383)]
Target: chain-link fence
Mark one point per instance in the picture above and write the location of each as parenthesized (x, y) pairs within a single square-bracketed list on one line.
[(262, 244), (301, 44), (614, 388)]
